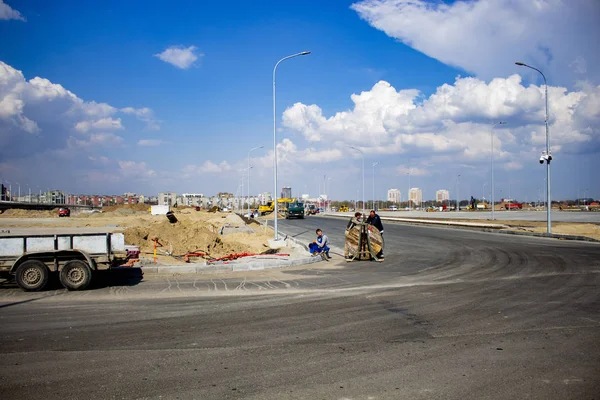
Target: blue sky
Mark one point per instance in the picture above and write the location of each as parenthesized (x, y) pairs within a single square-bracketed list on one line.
[(107, 114)]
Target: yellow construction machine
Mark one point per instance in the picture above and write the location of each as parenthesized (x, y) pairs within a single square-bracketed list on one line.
[(269, 207)]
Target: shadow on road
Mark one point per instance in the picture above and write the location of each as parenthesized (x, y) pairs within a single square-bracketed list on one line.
[(101, 279), (117, 277)]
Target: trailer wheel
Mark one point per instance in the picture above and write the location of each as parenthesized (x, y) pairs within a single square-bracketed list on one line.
[(32, 275), (76, 275)]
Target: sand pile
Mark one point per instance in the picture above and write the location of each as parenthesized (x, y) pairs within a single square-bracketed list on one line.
[(227, 219), (183, 237), (126, 209), (14, 212)]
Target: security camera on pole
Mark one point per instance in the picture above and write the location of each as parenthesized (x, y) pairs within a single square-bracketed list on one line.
[(546, 155)]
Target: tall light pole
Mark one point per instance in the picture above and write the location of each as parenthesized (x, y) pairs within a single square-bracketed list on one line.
[(328, 193), (457, 196), (374, 164), (304, 53), (19, 196), (492, 162), (254, 148), (546, 156), (363, 177), (408, 192)]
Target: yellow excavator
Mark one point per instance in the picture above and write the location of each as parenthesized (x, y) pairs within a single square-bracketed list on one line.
[(269, 207)]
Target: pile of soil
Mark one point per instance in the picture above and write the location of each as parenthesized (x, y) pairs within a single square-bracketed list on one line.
[(227, 219), (182, 237), (15, 212), (126, 209)]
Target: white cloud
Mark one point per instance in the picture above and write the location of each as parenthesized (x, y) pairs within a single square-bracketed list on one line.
[(179, 56), (135, 169), (44, 124), (144, 114), (6, 12), (413, 171), (513, 166), (486, 37), (101, 124), (209, 167), (38, 115), (150, 142), (95, 140), (455, 120)]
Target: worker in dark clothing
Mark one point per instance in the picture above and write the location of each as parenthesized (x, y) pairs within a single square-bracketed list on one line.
[(353, 221), (374, 220), (351, 224)]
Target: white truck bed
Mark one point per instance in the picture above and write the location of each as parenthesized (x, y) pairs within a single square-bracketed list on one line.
[(91, 243)]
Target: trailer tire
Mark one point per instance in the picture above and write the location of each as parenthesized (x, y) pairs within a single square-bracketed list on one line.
[(76, 275), (32, 275)]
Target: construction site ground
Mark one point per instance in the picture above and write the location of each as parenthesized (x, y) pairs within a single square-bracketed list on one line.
[(195, 231)]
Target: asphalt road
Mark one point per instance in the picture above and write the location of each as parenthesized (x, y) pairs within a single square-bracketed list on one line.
[(450, 314)]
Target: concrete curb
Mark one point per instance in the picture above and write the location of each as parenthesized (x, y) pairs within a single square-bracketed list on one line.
[(486, 227), (546, 235), (236, 265), (198, 268)]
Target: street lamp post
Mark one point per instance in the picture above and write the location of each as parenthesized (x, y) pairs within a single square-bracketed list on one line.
[(546, 156), (492, 162), (254, 148), (374, 164), (363, 177), (408, 191), (328, 193), (304, 53), (457, 196)]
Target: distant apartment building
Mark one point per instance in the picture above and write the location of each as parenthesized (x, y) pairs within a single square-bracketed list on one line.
[(415, 195), (53, 197), (192, 199), (167, 199), (4, 194), (129, 194), (442, 195), (264, 197), (286, 192), (394, 196)]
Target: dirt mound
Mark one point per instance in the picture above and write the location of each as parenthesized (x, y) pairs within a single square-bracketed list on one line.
[(227, 219), (126, 209), (182, 237), (15, 212)]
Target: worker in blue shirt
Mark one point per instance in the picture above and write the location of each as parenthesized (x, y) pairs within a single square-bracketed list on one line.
[(320, 245)]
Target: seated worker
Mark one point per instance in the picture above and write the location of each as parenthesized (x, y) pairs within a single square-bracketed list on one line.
[(320, 245)]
